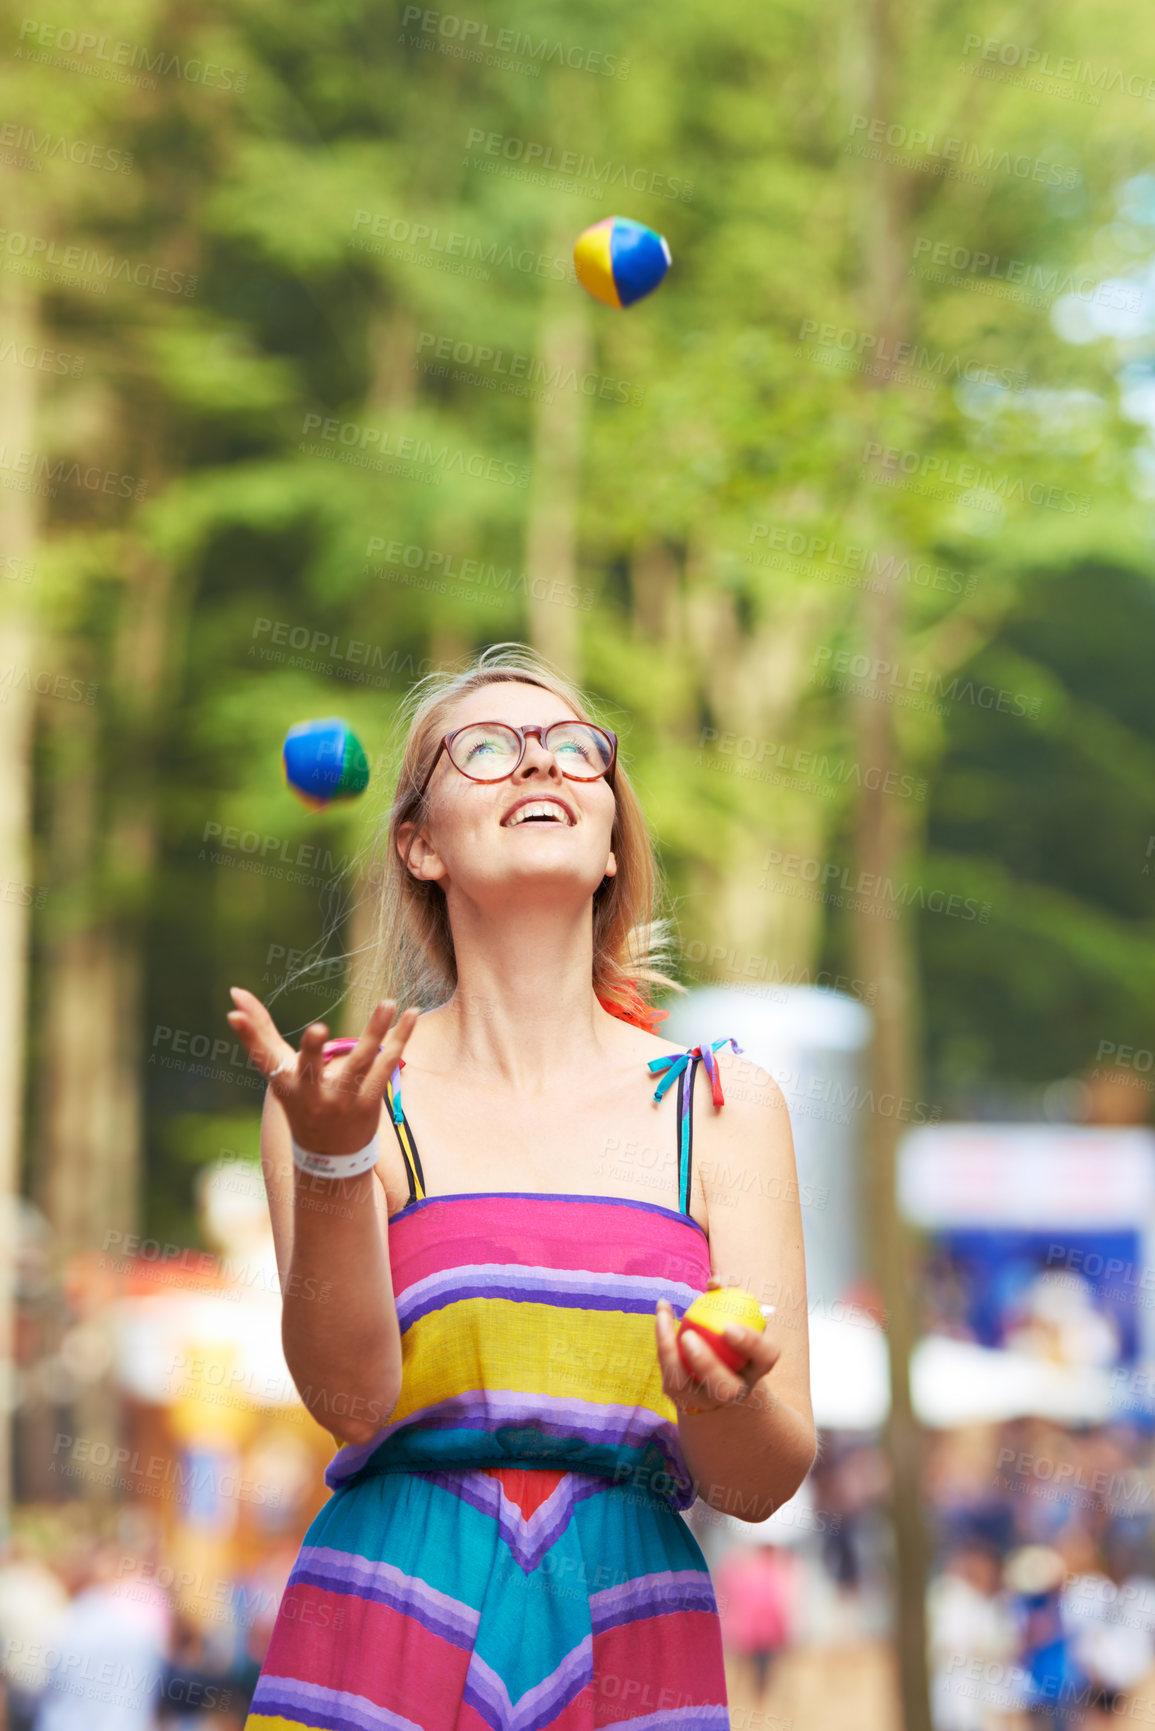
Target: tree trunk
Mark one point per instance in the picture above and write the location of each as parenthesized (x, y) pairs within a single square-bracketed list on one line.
[(883, 950), (753, 683), (551, 535), (19, 535), (90, 1117), (884, 959)]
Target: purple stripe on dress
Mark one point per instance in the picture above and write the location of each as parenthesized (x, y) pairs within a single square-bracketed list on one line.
[(552, 1414), (432, 1621), (541, 1704), (650, 1596), (643, 1612), (538, 1274), (313, 1704), (487, 1694), (707, 1718), (575, 1289), (576, 1298), (484, 1411), (587, 1420), (384, 1584), (352, 1457)]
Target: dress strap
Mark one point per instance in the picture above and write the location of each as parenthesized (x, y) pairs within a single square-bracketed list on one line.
[(335, 1049), (684, 1067), (405, 1135), (686, 1134)]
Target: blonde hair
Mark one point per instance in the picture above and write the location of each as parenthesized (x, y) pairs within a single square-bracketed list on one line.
[(411, 956)]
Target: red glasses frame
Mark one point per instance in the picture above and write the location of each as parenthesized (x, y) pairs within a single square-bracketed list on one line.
[(523, 733)]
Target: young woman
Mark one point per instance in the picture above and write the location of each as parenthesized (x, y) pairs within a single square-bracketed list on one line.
[(487, 1326)]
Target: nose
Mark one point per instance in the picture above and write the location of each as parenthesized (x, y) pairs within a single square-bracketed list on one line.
[(537, 759)]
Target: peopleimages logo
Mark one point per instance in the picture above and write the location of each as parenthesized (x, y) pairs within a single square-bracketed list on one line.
[(350, 438), (39, 251), (532, 154), (1041, 63), (511, 366), (119, 55), (956, 158), (470, 35), (1048, 281)]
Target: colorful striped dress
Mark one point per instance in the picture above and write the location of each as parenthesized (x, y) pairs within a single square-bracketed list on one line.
[(508, 1552)]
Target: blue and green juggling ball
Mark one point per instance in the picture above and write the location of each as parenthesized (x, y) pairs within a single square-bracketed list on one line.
[(619, 261), (325, 761)]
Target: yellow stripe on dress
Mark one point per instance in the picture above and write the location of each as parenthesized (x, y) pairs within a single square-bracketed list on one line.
[(587, 1355)]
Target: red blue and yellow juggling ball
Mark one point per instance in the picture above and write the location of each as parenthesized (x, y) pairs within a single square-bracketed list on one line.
[(324, 761), (619, 261)]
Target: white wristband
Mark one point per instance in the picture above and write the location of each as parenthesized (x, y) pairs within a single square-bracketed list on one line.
[(336, 1165)]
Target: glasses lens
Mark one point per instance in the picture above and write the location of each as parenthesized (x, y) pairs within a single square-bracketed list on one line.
[(583, 752), (487, 751)]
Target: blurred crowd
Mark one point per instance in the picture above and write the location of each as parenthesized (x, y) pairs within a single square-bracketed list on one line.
[(1041, 1599), (96, 1636)]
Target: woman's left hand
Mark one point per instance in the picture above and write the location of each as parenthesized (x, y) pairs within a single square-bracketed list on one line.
[(713, 1385)]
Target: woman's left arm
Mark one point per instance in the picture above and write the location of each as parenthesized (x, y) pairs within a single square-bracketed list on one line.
[(753, 1446)]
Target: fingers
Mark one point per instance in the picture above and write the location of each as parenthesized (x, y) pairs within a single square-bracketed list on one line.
[(676, 1380), (311, 1064), (709, 1375), (257, 1031), (763, 1350), (392, 1049), (673, 1371), (365, 1053)]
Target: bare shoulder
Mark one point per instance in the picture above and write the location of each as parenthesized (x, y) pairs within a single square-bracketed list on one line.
[(753, 1098), (744, 1148)]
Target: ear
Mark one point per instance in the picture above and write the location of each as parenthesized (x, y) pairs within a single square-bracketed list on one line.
[(418, 855), (611, 867)]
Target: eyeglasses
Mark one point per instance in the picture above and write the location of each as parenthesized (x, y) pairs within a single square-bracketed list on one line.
[(493, 750)]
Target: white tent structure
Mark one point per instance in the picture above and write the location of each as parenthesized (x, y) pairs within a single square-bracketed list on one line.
[(811, 1041)]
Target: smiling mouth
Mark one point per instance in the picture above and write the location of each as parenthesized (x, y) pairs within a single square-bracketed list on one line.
[(539, 811)]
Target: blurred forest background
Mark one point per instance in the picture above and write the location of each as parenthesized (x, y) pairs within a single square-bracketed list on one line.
[(289, 337)]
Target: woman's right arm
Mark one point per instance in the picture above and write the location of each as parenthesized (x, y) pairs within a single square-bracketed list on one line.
[(339, 1328), (339, 1324)]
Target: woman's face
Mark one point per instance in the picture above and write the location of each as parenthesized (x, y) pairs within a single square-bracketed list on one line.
[(469, 841)]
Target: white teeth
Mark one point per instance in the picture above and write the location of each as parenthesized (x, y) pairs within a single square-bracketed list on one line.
[(539, 808)]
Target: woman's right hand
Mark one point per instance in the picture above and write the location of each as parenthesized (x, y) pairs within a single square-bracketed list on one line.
[(335, 1108)]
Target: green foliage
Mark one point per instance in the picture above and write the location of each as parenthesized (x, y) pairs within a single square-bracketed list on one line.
[(345, 218)]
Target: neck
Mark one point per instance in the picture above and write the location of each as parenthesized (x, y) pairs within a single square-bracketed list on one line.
[(524, 1006)]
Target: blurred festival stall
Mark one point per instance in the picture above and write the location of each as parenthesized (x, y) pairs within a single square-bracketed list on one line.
[(204, 1429)]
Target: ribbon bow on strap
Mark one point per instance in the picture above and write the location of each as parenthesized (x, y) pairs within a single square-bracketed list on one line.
[(675, 1062)]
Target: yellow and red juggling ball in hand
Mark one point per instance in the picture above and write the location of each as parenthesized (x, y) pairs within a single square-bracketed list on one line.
[(708, 1316), (619, 261)]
